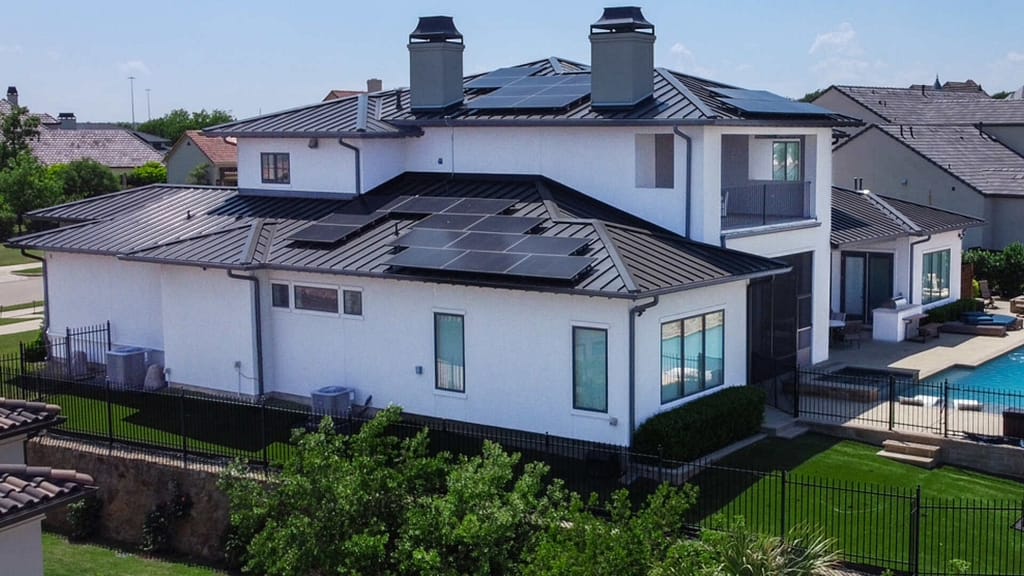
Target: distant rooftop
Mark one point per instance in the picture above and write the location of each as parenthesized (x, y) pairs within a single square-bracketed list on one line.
[(114, 148)]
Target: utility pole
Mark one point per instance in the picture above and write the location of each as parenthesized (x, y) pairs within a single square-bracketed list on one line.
[(131, 80), (149, 112)]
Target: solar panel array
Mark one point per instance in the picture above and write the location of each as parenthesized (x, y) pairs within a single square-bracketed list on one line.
[(542, 266), (762, 102), (536, 92), (418, 205), (501, 77), (336, 227)]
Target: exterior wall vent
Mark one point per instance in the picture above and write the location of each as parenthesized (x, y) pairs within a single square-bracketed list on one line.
[(435, 64), (621, 58)]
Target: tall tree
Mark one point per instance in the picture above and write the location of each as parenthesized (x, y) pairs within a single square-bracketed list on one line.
[(16, 129), (85, 178), (173, 124), (27, 185)]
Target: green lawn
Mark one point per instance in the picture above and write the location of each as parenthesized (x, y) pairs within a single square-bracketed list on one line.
[(865, 502), (9, 342), (6, 321), (37, 305), (11, 256), (30, 272), (62, 558)]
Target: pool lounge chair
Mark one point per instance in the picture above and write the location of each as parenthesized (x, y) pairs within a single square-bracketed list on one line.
[(986, 294)]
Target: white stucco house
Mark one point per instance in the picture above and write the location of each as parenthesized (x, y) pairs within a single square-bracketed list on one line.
[(552, 247)]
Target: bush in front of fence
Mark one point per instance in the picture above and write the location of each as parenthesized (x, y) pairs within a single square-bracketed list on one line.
[(702, 426), (951, 312)]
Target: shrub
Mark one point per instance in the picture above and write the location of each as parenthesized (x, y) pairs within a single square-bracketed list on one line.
[(8, 223), (35, 351), (84, 517), (951, 312), (703, 426), (148, 173)]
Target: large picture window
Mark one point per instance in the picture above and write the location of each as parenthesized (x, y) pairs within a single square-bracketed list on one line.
[(692, 355), (786, 160), (449, 352), (935, 276), (590, 369), (275, 168), (316, 299)]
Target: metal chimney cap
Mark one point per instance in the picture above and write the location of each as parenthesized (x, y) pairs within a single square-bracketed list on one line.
[(64, 115), (622, 19), (436, 29), (12, 90)]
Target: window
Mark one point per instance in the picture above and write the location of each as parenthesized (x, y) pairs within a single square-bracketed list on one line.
[(590, 369), (352, 302), (275, 168), (316, 299), (655, 161), (935, 276), (692, 355), (279, 295), (449, 353), (786, 161)]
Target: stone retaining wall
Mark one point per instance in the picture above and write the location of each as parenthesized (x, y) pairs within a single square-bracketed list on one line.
[(131, 482)]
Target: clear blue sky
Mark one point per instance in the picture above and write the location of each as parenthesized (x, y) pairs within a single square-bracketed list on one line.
[(258, 55)]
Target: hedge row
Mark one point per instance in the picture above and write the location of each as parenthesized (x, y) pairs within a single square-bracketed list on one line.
[(704, 425)]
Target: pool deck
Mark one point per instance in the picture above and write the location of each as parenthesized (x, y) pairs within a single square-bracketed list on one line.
[(938, 354)]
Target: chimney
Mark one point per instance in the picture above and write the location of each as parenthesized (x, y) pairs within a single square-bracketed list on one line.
[(374, 85), (67, 121), (621, 58), (435, 64), (12, 95)]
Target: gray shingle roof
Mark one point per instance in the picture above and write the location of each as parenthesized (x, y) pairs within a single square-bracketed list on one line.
[(112, 148), (44, 118), (219, 227), (677, 98), (906, 105), (982, 162), (27, 491), (859, 217)]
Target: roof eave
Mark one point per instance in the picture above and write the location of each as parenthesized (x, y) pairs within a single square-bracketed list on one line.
[(714, 282), (319, 134)]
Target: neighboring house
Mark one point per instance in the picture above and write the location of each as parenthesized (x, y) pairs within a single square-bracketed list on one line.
[(883, 247), (118, 149), (956, 150), (372, 85), (45, 120), (27, 493), (158, 143), (218, 153), (551, 247)]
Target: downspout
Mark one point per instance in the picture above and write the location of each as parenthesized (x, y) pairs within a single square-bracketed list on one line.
[(46, 289), (359, 161), (689, 175), (634, 313), (910, 297), (259, 327)]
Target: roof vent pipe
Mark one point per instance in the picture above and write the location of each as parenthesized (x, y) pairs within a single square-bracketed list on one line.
[(435, 64), (621, 58)]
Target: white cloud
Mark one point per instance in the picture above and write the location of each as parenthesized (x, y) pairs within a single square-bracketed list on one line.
[(10, 49), (685, 61), (133, 67), (1015, 57), (842, 40)]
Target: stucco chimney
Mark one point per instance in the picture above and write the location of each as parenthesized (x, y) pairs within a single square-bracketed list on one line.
[(435, 64), (12, 95), (374, 85), (67, 121), (621, 58)]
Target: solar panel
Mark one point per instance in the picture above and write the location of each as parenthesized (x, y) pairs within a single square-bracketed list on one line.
[(450, 221), (352, 219), (551, 267), (484, 262), (323, 233), (507, 224), (484, 206), (487, 241), (747, 94), (780, 106), (428, 238), (421, 205), (537, 92), (427, 258), (550, 245), (501, 77)]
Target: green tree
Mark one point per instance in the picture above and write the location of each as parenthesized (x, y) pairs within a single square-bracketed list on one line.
[(27, 185), (1003, 95), (173, 124), (148, 173), (200, 175), (85, 178), (16, 129), (811, 96)]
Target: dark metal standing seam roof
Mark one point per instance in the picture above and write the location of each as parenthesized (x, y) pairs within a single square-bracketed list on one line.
[(191, 226), (861, 217)]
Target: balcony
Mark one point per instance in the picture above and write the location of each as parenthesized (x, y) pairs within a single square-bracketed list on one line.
[(764, 203)]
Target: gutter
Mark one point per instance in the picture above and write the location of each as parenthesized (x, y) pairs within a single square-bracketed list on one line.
[(46, 289), (359, 156), (689, 175), (258, 329), (634, 313), (910, 297)]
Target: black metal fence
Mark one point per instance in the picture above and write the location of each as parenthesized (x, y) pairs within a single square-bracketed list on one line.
[(875, 526)]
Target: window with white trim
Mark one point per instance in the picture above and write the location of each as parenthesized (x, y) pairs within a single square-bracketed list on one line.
[(786, 160), (280, 295), (589, 369), (692, 355), (449, 352), (275, 167), (316, 298), (352, 302), (935, 276)]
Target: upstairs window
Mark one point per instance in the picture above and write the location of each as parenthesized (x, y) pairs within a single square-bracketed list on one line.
[(316, 299), (275, 168), (655, 161), (786, 161), (280, 295), (449, 353)]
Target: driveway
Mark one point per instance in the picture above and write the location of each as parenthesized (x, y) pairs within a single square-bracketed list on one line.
[(16, 289)]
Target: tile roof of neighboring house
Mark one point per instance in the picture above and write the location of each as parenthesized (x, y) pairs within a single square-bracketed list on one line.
[(157, 142), (905, 105), (859, 216), (27, 491), (963, 151), (218, 227), (112, 148), (678, 98), (221, 150), (44, 118), (336, 94), (21, 417)]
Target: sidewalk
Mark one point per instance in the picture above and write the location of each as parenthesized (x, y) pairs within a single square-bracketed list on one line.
[(16, 290)]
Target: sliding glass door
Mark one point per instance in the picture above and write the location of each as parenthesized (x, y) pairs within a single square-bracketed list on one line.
[(867, 281)]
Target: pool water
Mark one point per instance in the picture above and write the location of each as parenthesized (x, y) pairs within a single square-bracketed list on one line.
[(1003, 374)]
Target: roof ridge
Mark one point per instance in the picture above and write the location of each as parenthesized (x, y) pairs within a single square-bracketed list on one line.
[(613, 253), (209, 234), (892, 212), (686, 92)]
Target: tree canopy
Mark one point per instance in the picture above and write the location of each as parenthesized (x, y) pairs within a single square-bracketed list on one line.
[(26, 185), (85, 178), (811, 96), (148, 173), (173, 124), (16, 129)]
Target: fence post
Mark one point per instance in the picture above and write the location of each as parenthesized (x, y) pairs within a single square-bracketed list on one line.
[(21, 361), (184, 436), (892, 404), (945, 408), (796, 392), (915, 533), (263, 430), (782, 506), (67, 352), (110, 414), (110, 346)]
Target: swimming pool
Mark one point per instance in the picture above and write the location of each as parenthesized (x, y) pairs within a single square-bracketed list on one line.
[(1002, 374)]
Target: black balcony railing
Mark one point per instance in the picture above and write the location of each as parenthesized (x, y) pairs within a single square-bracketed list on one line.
[(764, 202)]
